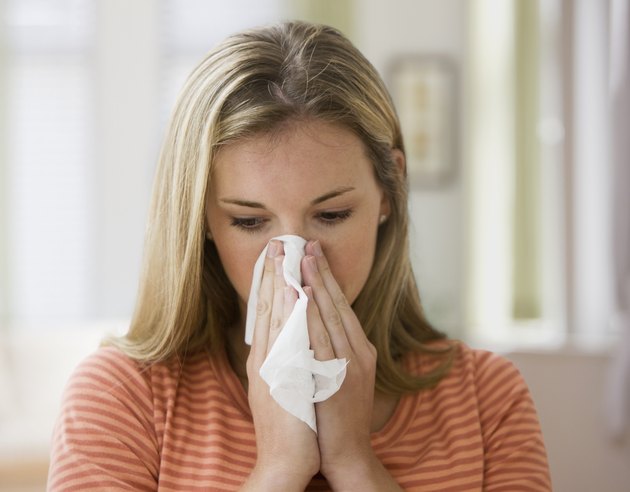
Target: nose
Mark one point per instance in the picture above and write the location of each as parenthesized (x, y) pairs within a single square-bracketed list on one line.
[(295, 227)]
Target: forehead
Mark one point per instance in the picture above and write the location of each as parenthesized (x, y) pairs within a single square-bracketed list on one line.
[(308, 154)]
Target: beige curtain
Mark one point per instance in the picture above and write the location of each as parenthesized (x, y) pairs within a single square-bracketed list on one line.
[(526, 244), (618, 398), (4, 302), (6, 385)]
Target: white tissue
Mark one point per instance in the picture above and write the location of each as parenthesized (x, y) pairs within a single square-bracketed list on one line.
[(296, 380)]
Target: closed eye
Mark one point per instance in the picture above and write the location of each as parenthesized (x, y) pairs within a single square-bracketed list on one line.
[(249, 224), (255, 224), (332, 218)]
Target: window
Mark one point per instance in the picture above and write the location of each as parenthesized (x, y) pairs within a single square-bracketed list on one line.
[(46, 204), (538, 166), (89, 87)]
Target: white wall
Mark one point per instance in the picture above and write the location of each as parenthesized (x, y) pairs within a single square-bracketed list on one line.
[(127, 74), (384, 30)]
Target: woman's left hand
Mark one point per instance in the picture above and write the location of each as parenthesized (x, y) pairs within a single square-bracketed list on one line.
[(344, 420)]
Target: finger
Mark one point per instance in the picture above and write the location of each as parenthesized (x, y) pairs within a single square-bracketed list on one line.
[(317, 333), (264, 306), (277, 308), (290, 298), (354, 332), (335, 292), (328, 313)]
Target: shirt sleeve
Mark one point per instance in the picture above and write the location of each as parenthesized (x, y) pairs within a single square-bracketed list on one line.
[(515, 455), (104, 437)]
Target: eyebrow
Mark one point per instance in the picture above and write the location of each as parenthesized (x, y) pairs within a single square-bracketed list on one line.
[(320, 199)]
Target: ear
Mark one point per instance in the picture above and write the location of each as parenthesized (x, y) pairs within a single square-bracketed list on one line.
[(401, 163), (401, 167)]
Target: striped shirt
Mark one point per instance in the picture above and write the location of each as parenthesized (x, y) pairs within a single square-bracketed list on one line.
[(186, 425)]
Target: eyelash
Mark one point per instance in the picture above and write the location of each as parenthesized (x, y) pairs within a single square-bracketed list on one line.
[(254, 224), (333, 218)]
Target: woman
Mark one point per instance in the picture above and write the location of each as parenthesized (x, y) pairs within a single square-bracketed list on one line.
[(288, 130)]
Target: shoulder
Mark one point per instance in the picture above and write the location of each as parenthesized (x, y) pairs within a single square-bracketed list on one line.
[(487, 392), (106, 382), (105, 424), (487, 363), (483, 367), (108, 373), (487, 380), (515, 454), (498, 382), (110, 369), (107, 363)]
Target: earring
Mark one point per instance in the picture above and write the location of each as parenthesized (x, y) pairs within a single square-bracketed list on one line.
[(382, 219), (209, 236)]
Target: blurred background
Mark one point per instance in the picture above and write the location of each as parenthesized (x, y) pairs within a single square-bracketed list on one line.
[(516, 119)]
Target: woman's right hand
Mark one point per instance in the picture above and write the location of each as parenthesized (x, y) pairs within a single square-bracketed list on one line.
[(287, 451)]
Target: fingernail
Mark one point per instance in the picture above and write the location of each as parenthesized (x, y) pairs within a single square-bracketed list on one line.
[(272, 249), (317, 249)]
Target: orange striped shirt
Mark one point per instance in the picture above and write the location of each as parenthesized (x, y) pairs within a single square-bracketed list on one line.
[(186, 425)]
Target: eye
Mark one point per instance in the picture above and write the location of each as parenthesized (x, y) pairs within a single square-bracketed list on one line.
[(249, 224), (332, 218)]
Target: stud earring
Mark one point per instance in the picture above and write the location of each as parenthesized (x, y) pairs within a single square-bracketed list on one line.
[(382, 219)]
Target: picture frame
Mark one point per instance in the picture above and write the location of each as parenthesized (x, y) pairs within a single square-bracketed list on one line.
[(424, 90)]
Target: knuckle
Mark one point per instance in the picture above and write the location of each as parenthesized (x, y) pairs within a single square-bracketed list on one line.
[(318, 336), (268, 265), (324, 340), (323, 266), (341, 301), (275, 325), (333, 319), (262, 307), (279, 285)]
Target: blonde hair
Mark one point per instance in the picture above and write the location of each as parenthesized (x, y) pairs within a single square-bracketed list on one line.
[(251, 83)]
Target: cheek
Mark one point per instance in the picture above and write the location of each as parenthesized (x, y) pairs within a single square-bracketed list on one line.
[(238, 260), (350, 264)]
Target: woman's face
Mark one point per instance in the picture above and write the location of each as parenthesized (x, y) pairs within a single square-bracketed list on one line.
[(312, 180)]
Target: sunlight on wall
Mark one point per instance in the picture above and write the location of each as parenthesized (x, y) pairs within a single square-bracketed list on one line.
[(490, 165)]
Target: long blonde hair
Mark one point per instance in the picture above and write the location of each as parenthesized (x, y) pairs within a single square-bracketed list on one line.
[(253, 82)]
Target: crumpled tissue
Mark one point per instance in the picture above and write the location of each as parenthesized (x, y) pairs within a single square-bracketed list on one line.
[(296, 379)]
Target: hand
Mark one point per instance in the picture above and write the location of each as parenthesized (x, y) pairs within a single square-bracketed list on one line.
[(344, 420), (287, 452)]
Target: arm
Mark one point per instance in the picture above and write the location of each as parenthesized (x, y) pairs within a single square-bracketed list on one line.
[(515, 456), (104, 436)]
